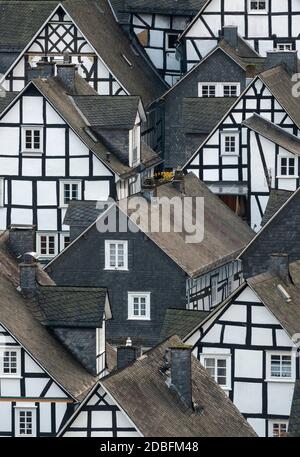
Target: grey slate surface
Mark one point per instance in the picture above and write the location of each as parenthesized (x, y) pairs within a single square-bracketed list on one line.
[(5, 101), (176, 7), (113, 112), (201, 115), (294, 422), (142, 392), (276, 200), (181, 322), (82, 213)]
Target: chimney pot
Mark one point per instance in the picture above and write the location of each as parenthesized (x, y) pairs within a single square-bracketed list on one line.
[(181, 372), (66, 72), (279, 266), (230, 35), (126, 355)]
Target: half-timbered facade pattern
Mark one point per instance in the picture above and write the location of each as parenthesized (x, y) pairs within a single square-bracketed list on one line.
[(242, 345), (266, 25), (238, 163), (32, 404), (59, 36)]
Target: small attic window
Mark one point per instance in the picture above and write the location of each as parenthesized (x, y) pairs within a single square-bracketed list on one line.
[(127, 61)]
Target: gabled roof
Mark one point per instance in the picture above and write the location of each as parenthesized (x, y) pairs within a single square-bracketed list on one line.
[(71, 306), (16, 316), (266, 287), (181, 322), (96, 21), (6, 100), (294, 422), (174, 7), (220, 223), (142, 392), (201, 115), (111, 112), (276, 200), (273, 133), (205, 3)]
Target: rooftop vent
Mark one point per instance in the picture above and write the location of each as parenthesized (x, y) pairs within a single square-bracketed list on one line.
[(284, 293), (127, 61)]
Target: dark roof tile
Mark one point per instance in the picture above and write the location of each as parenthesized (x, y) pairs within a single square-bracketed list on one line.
[(181, 322)]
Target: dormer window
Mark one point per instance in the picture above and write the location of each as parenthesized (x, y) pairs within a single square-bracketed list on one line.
[(32, 139), (257, 6)]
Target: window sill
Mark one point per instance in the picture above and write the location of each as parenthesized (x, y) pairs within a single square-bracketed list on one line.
[(116, 269), (30, 153), (143, 319), (233, 154), (258, 13), (287, 177), (285, 381), (3, 376)]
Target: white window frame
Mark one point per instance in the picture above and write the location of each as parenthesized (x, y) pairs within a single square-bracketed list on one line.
[(107, 255), (20, 409), (131, 297), (236, 85), (270, 378), (2, 190), (62, 184), (279, 166), (271, 424), (219, 89), (38, 244), (257, 11), (230, 133), (209, 84), (18, 353), (32, 128), (217, 357), (286, 46), (167, 41), (62, 237)]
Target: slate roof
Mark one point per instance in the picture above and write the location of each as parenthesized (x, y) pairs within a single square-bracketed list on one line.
[(5, 101), (142, 392), (274, 133), (112, 112), (96, 21), (174, 7), (244, 55), (201, 115), (82, 213), (294, 422), (181, 322), (279, 82), (17, 317), (276, 200), (266, 287), (71, 306)]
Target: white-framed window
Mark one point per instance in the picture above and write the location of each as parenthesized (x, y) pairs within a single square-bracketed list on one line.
[(32, 139), (64, 240), (47, 244), (171, 41), (10, 362), (284, 46), (278, 428), (207, 90), (258, 6), (231, 90), (219, 368), (139, 306), (280, 366), (116, 255), (2, 184), (69, 190), (229, 143), (287, 166), (25, 422)]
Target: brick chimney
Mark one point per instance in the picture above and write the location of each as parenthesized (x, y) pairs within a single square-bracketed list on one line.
[(230, 35), (28, 272), (126, 355), (181, 373), (287, 58), (279, 266), (66, 72)]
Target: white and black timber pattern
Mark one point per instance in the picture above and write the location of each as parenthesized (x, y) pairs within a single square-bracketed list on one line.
[(158, 35), (32, 181), (31, 390), (264, 31), (255, 165), (245, 332), (99, 416), (60, 36)]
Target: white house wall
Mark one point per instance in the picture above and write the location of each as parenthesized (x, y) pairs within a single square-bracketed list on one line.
[(262, 31), (246, 331), (33, 389)]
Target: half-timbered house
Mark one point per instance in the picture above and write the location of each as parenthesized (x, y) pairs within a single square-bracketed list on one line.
[(255, 147), (157, 26), (202, 273), (249, 346), (88, 31), (179, 397), (265, 25), (61, 141), (52, 347)]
